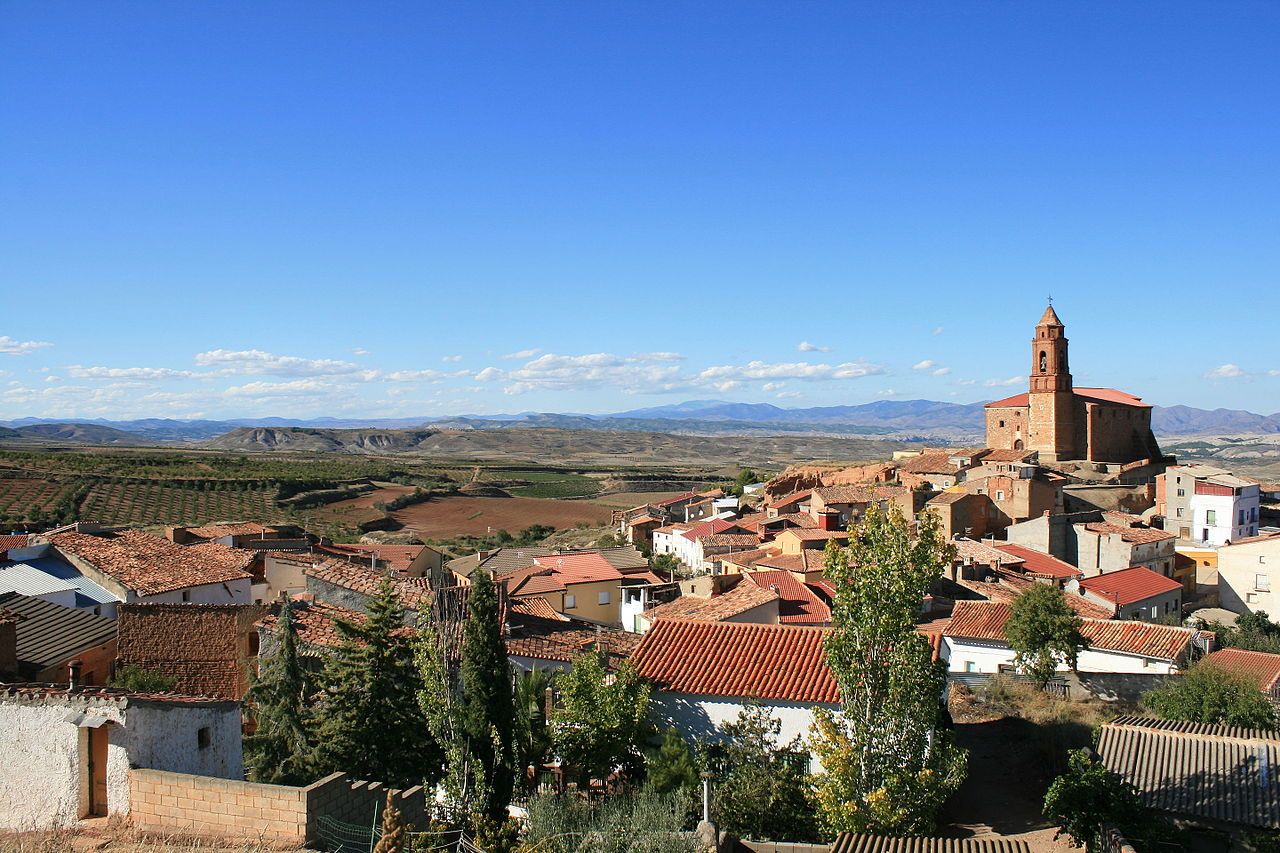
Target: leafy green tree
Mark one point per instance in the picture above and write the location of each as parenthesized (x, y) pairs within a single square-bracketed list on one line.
[(1043, 632), (279, 752), (370, 724), (134, 677), (664, 565), (1209, 694), (532, 735), (763, 789), (746, 477), (888, 765), (1088, 796), (471, 711), (600, 721), (671, 767)]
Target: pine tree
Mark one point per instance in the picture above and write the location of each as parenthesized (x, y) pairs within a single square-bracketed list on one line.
[(371, 725), (671, 767), (279, 752), (393, 829), (887, 764)]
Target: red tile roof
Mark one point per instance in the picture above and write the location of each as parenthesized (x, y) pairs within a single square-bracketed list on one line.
[(1261, 668), (710, 528), (1089, 395), (564, 640), (780, 662), (314, 622), (26, 692), (683, 496), (809, 559), (1136, 535), (805, 535), (1129, 586), (414, 593), (535, 606), (740, 599), (984, 620), (12, 540), (1035, 562), (233, 528), (149, 565), (799, 604), (398, 557), (579, 568)]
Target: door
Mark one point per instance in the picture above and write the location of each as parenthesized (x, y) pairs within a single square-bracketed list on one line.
[(97, 771)]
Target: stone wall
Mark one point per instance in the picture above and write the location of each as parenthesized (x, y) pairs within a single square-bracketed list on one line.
[(206, 647), (279, 815)]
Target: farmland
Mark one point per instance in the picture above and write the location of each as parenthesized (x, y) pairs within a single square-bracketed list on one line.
[(195, 503), (34, 499)]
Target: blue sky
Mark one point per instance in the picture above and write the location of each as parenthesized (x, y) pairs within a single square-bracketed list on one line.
[(382, 209)]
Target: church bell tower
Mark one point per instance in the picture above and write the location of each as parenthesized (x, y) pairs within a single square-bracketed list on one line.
[(1051, 401)]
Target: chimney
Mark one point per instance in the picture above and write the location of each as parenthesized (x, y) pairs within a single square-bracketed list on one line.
[(828, 520), (73, 676)]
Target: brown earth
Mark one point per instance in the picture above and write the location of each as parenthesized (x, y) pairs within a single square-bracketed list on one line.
[(627, 500), (445, 518)]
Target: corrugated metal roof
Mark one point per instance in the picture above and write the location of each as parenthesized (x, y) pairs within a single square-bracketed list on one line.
[(850, 842), (27, 580), (61, 569), (50, 633), (1222, 773)]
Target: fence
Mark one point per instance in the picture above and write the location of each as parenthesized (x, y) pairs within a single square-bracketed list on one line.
[(1057, 686), (338, 836)]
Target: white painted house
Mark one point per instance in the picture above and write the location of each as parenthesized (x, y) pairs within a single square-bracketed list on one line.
[(974, 642), (1249, 575), (704, 673), (68, 752)]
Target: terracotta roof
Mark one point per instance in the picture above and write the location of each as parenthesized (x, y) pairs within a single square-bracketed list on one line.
[(949, 497), (1262, 668), (33, 692), (863, 843), (747, 558), (984, 620), (998, 455), (799, 605), (579, 568), (1035, 562), (236, 528), (314, 622), (814, 535), (398, 557), (531, 580), (413, 593), (683, 496), (782, 662), (709, 528), (1089, 395), (12, 540), (856, 494), (740, 599), (564, 640), (731, 540), (794, 497), (1136, 535), (933, 462), (809, 559), (980, 552), (1131, 585), (535, 606), (149, 565)]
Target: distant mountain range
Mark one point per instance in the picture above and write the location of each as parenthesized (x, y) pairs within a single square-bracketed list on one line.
[(897, 419)]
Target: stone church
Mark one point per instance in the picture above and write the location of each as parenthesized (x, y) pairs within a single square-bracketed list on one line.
[(1063, 422)]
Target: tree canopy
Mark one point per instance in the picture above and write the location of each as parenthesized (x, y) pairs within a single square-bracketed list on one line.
[(887, 763), (1210, 694), (599, 723), (1044, 632), (279, 752)]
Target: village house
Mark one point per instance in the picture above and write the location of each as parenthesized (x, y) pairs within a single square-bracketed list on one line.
[(135, 566), (69, 750), (1098, 542), (249, 535), (1016, 498), (39, 639), (1208, 505), (685, 541), (798, 602), (413, 561), (974, 642), (937, 470), (538, 638), (1244, 571), (963, 514), (353, 585), (743, 602), (837, 507), (1135, 593), (1260, 668), (796, 540), (35, 569), (1061, 422), (500, 561), (705, 673), (585, 586)]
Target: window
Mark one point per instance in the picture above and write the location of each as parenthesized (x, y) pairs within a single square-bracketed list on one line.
[(603, 598), (1155, 611), (1241, 517), (570, 602), (1182, 493), (1179, 512), (999, 495), (1250, 598), (1262, 583), (186, 595), (1002, 423), (203, 737), (1210, 516), (1044, 362), (1262, 558), (970, 666)]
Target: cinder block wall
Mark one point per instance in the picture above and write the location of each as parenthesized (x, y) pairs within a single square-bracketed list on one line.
[(279, 815)]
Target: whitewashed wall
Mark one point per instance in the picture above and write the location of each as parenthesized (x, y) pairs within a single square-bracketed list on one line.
[(238, 591), (989, 657)]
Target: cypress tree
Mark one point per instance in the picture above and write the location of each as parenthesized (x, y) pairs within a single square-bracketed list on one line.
[(371, 725), (487, 711), (279, 752)]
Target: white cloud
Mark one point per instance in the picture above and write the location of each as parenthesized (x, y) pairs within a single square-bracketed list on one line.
[(148, 373), (519, 354), (1273, 372), (296, 388), (787, 395), (9, 346), (773, 386), (888, 392), (258, 362), (996, 383), (359, 351), (805, 346), (937, 330), (966, 382), (427, 375), (1225, 371), (786, 370), (942, 371), (639, 372), (449, 359), (52, 378), (923, 365)]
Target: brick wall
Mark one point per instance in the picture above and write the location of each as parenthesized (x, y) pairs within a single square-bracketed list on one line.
[(276, 814)]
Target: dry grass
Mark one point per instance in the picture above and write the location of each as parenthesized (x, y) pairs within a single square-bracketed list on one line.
[(119, 837)]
